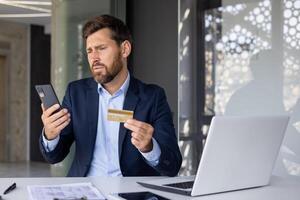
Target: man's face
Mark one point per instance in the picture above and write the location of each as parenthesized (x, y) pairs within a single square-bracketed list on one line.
[(104, 56)]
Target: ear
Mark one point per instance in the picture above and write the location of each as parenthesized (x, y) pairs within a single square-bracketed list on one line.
[(125, 48)]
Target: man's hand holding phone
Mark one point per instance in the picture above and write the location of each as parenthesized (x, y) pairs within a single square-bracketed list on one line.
[(55, 120)]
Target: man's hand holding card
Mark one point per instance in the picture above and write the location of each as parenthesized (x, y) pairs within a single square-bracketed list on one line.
[(141, 136), (141, 132)]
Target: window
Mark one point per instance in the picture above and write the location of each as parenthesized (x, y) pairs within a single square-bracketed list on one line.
[(239, 58)]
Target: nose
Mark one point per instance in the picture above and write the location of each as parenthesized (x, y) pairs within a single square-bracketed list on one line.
[(94, 56)]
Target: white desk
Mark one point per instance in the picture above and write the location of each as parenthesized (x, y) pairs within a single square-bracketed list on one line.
[(279, 189)]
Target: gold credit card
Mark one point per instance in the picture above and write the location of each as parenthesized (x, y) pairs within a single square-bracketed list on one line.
[(119, 115)]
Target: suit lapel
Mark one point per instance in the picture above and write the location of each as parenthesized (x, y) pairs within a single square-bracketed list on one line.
[(92, 102), (130, 103)]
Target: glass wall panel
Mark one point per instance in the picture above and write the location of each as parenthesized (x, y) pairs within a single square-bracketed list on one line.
[(252, 66)]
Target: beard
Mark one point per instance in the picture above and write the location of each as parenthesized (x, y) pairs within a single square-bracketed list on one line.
[(108, 75)]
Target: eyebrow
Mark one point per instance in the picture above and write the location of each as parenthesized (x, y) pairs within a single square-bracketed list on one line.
[(96, 47)]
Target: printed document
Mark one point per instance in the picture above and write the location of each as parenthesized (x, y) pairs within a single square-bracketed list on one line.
[(64, 191)]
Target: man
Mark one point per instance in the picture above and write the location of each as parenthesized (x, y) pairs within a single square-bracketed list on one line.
[(143, 146)]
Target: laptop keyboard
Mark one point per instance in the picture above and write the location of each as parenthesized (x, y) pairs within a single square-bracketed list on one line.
[(182, 185)]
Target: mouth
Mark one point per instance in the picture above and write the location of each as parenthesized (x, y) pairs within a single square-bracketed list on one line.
[(97, 68)]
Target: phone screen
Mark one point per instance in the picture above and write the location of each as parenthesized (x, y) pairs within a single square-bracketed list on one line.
[(141, 196)]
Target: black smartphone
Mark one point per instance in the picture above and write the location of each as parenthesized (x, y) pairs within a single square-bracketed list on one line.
[(47, 95), (137, 196)]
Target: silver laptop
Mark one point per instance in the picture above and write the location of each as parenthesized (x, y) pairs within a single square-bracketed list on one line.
[(239, 153)]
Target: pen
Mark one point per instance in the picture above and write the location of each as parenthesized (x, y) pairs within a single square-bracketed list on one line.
[(10, 188)]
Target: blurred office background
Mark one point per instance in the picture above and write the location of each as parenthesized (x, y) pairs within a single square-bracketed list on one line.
[(213, 57)]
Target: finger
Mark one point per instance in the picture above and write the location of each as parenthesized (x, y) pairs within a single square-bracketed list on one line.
[(137, 136), (43, 108), (61, 120), (62, 126), (135, 142), (51, 110), (50, 119), (137, 123), (58, 115), (134, 128)]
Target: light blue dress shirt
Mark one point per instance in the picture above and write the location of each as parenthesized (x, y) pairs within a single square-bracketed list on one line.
[(106, 155)]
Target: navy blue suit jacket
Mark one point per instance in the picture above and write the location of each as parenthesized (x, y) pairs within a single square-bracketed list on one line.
[(149, 105)]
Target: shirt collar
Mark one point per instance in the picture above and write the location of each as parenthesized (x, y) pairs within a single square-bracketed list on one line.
[(123, 89)]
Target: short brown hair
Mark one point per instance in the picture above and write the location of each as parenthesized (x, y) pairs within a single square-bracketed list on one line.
[(119, 30)]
